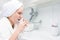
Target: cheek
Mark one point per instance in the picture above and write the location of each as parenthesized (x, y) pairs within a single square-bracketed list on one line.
[(20, 16), (15, 17)]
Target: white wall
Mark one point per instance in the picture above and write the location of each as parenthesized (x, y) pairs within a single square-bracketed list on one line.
[(2, 2), (50, 15)]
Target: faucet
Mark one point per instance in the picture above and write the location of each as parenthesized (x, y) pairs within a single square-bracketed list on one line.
[(33, 14)]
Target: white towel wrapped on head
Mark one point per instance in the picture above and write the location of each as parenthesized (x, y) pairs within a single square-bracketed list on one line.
[(10, 7)]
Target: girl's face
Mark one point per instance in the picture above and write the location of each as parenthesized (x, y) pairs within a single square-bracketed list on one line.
[(17, 15)]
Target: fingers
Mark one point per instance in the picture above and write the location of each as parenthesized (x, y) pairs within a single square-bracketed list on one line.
[(26, 22), (23, 22)]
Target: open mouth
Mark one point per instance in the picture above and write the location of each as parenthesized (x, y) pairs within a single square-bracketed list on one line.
[(18, 19)]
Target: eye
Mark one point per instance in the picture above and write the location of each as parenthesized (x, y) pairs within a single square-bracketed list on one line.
[(19, 13)]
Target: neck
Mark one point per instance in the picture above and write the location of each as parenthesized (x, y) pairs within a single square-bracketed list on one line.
[(11, 21)]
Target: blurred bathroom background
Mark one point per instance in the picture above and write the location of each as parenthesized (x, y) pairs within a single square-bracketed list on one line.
[(43, 14)]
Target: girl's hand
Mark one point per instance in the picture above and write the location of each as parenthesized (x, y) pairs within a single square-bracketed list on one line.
[(23, 23)]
